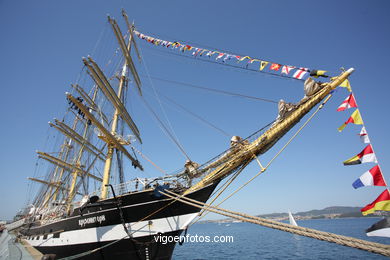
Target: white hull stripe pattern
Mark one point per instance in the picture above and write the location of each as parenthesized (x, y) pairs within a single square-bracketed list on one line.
[(115, 232)]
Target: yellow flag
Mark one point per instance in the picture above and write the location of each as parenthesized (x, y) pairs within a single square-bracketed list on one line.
[(346, 84), (318, 73), (355, 118), (243, 58), (263, 64)]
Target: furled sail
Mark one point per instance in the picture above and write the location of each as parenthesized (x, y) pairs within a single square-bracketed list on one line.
[(107, 136), (102, 82)]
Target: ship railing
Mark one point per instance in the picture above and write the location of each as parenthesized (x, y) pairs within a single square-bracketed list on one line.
[(222, 158), (141, 184)]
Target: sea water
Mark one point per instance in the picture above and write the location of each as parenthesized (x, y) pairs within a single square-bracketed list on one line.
[(256, 242)]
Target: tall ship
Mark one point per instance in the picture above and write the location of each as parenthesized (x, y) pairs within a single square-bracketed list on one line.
[(86, 208)]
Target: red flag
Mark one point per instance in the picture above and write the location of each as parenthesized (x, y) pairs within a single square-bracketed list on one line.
[(275, 66), (347, 103)]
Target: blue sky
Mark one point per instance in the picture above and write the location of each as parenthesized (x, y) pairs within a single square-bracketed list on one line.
[(43, 42)]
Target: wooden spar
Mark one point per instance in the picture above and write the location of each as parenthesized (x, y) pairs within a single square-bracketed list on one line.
[(130, 28), (48, 193), (62, 170), (66, 130), (89, 101), (67, 166), (126, 54), (68, 146), (108, 137), (115, 99), (70, 133), (85, 96), (102, 82), (263, 143)]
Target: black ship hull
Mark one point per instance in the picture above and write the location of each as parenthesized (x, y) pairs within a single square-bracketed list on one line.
[(100, 233)]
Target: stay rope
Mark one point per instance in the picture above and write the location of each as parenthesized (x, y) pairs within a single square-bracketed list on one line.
[(302, 231), (214, 90), (211, 125), (171, 133)]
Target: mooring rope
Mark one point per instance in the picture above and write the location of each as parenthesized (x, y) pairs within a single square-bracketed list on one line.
[(302, 231)]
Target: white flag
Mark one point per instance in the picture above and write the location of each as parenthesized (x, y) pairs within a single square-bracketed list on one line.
[(364, 136)]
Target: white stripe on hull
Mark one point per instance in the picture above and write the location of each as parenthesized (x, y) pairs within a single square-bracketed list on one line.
[(115, 232)]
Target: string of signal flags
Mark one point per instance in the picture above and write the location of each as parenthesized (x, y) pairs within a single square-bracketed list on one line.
[(372, 177), (247, 62)]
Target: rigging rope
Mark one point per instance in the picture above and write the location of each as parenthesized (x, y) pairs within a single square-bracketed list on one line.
[(164, 43), (169, 134), (226, 185), (225, 64), (196, 116), (150, 161), (173, 134), (308, 232), (215, 90)]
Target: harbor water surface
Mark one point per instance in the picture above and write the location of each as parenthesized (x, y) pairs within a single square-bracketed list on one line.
[(257, 242)]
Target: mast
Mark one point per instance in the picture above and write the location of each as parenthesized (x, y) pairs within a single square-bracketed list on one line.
[(50, 187), (76, 172), (117, 99), (57, 179), (75, 168), (68, 147), (107, 165), (63, 156)]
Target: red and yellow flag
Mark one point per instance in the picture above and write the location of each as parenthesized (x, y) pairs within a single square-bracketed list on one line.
[(355, 118), (381, 203)]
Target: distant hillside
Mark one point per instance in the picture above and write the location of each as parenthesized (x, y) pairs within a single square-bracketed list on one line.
[(329, 212), (335, 210)]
